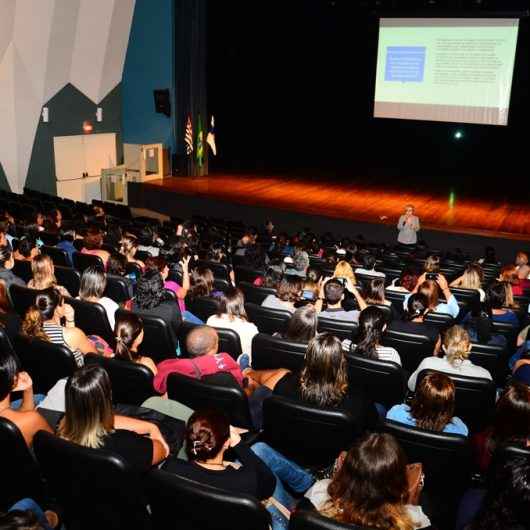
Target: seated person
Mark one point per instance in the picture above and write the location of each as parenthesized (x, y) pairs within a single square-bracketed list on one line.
[(43, 321), (378, 460), (208, 437), (366, 341), (432, 407), (27, 249), (93, 285), (67, 244), (323, 382), (152, 299), (202, 284), (22, 414), (509, 275), (89, 421), (496, 305), (471, 279), (92, 243), (7, 262), (511, 424), (368, 268), (287, 293), (231, 314), (128, 247), (302, 326), (521, 264), (406, 281), (43, 271), (333, 295), (414, 319), (456, 347), (202, 344), (431, 289), (129, 333), (480, 329), (9, 319)]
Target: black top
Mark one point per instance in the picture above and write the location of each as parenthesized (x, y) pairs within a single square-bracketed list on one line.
[(417, 328), (252, 478), (355, 401), (168, 311), (11, 323), (135, 449)]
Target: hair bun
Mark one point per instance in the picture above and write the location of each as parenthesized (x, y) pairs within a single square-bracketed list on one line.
[(41, 303)]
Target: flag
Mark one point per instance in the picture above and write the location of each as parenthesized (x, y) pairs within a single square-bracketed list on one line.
[(210, 139), (200, 144), (188, 138)]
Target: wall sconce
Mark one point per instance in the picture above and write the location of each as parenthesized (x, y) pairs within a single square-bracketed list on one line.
[(87, 127)]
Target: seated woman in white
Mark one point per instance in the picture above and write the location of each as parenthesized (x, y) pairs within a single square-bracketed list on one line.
[(456, 346)]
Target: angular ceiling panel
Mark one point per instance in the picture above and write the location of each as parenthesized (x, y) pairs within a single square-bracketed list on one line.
[(33, 22), (116, 46), (7, 22), (90, 46), (62, 38)]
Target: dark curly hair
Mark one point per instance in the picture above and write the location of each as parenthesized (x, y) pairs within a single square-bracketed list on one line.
[(150, 290)]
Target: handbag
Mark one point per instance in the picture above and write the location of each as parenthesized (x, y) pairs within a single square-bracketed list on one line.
[(415, 480)]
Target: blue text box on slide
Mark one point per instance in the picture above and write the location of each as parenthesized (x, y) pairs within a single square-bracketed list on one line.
[(405, 63)]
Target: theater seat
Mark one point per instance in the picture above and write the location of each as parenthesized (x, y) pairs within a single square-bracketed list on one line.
[(253, 294), (132, 383), (45, 362), (22, 298), (344, 329), (219, 391), (69, 278), (57, 255), (247, 275), (311, 436), (178, 503), (92, 318), (83, 261), (19, 468), (202, 307), (229, 341), (118, 288), (22, 269), (412, 348), (312, 520), (96, 488), (270, 352), (267, 320)]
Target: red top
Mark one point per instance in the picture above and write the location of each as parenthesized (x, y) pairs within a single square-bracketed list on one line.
[(197, 368)]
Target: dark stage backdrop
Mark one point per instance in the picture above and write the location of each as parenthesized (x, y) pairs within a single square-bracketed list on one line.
[(291, 84)]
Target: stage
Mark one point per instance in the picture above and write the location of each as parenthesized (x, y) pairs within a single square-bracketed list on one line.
[(343, 207)]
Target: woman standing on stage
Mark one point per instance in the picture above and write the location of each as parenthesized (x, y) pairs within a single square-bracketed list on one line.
[(408, 226)]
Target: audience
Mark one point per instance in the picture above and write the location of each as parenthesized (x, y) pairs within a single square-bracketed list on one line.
[(287, 293), (7, 262), (92, 244), (93, 285)]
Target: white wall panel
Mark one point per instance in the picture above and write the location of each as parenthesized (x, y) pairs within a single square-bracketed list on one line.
[(7, 22)]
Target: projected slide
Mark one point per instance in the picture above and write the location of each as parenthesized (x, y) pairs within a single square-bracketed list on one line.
[(452, 70)]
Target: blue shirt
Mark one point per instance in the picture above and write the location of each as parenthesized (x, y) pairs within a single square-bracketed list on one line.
[(450, 308), (69, 248), (509, 318), (401, 414)]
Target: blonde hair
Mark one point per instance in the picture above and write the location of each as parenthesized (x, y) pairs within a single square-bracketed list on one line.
[(344, 270), (432, 264), (510, 302), (456, 345), (88, 408), (43, 273), (472, 278)]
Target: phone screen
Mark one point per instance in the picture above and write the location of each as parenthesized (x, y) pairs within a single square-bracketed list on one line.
[(308, 295)]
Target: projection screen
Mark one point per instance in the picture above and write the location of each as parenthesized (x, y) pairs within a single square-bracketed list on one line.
[(441, 69)]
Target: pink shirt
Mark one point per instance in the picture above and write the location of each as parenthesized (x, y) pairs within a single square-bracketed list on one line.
[(196, 368), (175, 287)]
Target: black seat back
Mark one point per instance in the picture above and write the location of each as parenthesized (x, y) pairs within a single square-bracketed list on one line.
[(267, 320), (22, 269), (68, 278), (92, 318), (132, 383), (19, 465), (45, 362), (312, 520), (158, 342), (469, 297), (97, 488), (219, 270), (246, 274), (491, 357), (412, 348), (182, 504), (344, 329), (439, 320), (383, 381), (118, 288), (474, 398), (220, 391), (253, 294), (202, 307), (83, 261), (275, 352), (57, 255), (310, 436), (22, 298)]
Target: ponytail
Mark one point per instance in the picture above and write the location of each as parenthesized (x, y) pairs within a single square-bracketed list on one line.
[(127, 329), (32, 324), (371, 324)]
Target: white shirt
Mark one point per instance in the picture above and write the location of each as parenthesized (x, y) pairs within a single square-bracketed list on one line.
[(245, 330), (370, 272), (110, 308), (441, 364)]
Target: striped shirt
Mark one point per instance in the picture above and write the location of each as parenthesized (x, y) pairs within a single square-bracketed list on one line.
[(384, 353), (55, 334)]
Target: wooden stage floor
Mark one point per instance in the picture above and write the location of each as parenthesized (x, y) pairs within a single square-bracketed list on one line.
[(356, 202)]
